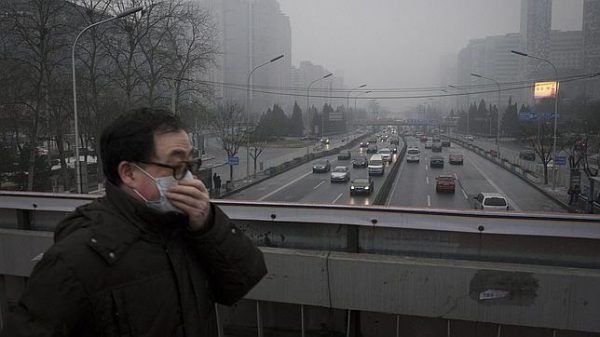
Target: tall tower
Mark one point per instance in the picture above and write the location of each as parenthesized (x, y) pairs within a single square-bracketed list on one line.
[(536, 23), (591, 45)]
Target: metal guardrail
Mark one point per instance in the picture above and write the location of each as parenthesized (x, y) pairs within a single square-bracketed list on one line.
[(390, 260)]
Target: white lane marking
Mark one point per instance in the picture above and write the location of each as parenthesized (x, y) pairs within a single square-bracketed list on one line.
[(428, 200), (426, 167), (511, 202), (427, 179), (285, 186), (338, 198), (321, 183)]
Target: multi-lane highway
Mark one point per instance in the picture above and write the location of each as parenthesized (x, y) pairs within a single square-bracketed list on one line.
[(414, 185)]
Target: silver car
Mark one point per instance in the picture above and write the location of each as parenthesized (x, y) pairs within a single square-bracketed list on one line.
[(340, 174)]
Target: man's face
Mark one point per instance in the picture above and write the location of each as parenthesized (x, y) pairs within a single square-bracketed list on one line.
[(172, 148)]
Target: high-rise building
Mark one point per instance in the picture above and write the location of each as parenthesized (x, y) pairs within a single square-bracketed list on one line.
[(591, 45), (252, 32), (536, 23)]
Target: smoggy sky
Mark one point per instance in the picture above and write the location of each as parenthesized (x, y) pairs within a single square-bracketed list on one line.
[(400, 43)]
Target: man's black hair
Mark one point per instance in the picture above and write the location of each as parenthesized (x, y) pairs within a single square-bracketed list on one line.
[(130, 137)]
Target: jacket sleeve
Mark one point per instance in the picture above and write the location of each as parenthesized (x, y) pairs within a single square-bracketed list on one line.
[(51, 304), (235, 265)]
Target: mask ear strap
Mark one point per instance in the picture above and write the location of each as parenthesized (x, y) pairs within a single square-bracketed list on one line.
[(144, 171), (139, 194)]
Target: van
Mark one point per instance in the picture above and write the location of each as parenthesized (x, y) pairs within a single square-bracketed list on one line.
[(376, 165)]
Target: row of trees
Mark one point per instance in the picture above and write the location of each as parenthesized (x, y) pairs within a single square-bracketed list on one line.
[(144, 59)]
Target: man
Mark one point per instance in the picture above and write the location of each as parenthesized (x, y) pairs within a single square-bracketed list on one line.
[(151, 257)]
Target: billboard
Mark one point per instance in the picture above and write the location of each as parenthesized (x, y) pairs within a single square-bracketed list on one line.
[(545, 90)]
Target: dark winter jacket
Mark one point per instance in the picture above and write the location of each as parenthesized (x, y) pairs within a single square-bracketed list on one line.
[(118, 268)]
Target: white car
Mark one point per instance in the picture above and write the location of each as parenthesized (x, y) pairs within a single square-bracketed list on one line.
[(490, 202), (340, 173), (413, 154), (386, 154)]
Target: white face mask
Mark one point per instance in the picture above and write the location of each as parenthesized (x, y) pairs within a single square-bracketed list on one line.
[(163, 204)]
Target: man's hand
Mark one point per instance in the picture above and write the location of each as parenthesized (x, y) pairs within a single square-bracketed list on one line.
[(191, 196)]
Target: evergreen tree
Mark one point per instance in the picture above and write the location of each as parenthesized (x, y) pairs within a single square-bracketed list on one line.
[(296, 125)]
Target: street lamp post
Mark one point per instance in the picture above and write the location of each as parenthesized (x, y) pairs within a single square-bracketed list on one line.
[(308, 97), (248, 108), (349, 92), (497, 111), (76, 122), (361, 93), (555, 106), (468, 107)]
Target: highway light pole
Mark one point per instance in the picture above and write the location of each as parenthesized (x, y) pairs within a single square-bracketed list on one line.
[(248, 108), (349, 92), (361, 93), (497, 110), (516, 52), (308, 97), (468, 107), (76, 122)]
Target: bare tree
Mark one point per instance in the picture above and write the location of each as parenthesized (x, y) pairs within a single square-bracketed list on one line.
[(227, 123), (36, 44), (540, 139)]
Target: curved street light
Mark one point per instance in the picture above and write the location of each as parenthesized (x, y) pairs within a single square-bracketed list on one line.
[(118, 16), (497, 112), (361, 93), (349, 92), (248, 108), (308, 96), (516, 52)]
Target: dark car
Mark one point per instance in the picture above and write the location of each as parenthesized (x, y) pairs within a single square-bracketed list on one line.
[(436, 161), (445, 143), (360, 161), (372, 148), (344, 155), (321, 166), (445, 183), (436, 147), (456, 159), (361, 186), (395, 141), (527, 155)]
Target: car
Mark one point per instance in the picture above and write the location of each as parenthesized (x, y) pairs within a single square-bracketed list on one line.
[(372, 141), (494, 153), (386, 154), (436, 139), (344, 155), (445, 143), (395, 141), (445, 183), (376, 165), (364, 145), (361, 186), (436, 147), (490, 202), (469, 138), (527, 155), (325, 141), (360, 161), (394, 149), (372, 148), (428, 144), (436, 161), (340, 173), (413, 154), (455, 159), (424, 139), (321, 166)]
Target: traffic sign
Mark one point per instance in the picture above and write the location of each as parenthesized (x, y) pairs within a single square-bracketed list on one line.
[(561, 160), (233, 160)]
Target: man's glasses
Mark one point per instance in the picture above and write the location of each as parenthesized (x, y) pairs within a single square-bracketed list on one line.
[(181, 169)]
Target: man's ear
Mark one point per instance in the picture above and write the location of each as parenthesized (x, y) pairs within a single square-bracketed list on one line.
[(126, 173)]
